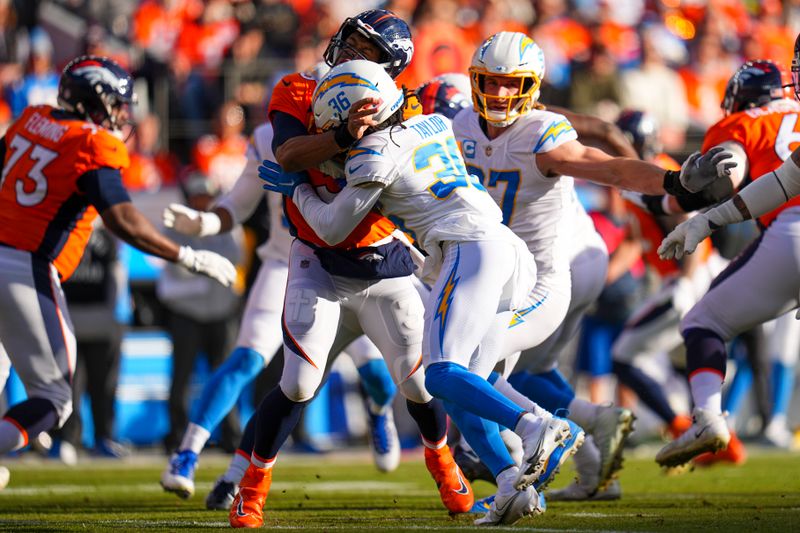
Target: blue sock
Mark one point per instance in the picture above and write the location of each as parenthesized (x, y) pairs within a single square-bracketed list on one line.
[(548, 389), (646, 388), (739, 388), (454, 383), (782, 387), (377, 381), (483, 436), (225, 385)]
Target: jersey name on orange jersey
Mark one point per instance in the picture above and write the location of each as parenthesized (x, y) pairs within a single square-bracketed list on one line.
[(42, 209)]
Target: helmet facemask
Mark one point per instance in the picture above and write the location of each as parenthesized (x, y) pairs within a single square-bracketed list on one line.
[(388, 58), (528, 86)]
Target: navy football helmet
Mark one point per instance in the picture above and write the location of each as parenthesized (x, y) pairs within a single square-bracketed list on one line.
[(385, 30), (438, 96), (95, 88), (754, 84), (642, 131)]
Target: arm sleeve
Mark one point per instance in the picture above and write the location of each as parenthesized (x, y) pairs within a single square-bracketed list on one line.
[(773, 189), (286, 126), (103, 187), (333, 222)]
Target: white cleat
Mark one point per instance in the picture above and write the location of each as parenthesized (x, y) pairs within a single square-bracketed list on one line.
[(708, 433), (383, 439), (178, 476), (539, 445), (5, 477), (580, 493), (611, 429), (511, 505)]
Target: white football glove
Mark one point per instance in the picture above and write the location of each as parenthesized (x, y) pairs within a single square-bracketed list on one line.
[(685, 237), (189, 221), (208, 263), (701, 170)]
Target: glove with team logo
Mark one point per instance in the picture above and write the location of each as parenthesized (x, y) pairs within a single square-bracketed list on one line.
[(686, 236), (189, 221), (279, 181), (701, 170), (207, 263)]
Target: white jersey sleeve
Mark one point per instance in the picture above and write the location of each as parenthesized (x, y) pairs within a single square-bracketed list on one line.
[(370, 161), (552, 133)]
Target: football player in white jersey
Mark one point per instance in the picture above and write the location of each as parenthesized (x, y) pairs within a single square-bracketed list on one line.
[(503, 140), (260, 336)]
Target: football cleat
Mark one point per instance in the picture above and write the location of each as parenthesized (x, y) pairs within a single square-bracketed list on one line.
[(178, 476), (509, 504), (708, 433), (611, 429), (454, 489), (247, 508), (471, 465), (539, 446), (735, 453), (576, 492), (570, 445), (221, 496), (5, 477), (383, 440)]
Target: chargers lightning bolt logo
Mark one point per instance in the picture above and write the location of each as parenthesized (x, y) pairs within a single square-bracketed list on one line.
[(553, 132), (446, 297), (345, 79), (519, 316)]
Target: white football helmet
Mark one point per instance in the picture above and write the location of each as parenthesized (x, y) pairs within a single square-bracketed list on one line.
[(509, 55), (350, 82)]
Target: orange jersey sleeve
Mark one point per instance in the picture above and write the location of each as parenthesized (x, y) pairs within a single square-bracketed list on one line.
[(768, 135), (293, 95), (42, 209)]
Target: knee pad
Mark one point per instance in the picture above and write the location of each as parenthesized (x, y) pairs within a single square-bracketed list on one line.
[(414, 389)]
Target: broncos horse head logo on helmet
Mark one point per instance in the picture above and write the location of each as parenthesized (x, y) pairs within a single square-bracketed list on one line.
[(98, 90), (754, 84), (388, 32)]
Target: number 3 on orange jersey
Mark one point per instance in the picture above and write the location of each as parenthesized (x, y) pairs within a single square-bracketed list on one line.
[(41, 157)]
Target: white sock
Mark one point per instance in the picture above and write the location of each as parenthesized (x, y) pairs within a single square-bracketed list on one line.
[(11, 438), (262, 464), (236, 469), (194, 438), (376, 409), (435, 445), (707, 390), (505, 388), (513, 444), (583, 413), (528, 425), (507, 477)]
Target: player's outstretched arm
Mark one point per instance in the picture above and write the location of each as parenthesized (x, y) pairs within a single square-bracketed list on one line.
[(332, 222), (575, 159), (130, 225), (597, 130)]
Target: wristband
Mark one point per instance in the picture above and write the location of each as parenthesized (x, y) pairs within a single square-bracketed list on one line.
[(672, 183), (343, 137)]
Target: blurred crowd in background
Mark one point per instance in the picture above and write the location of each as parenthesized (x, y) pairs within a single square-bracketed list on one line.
[(204, 70)]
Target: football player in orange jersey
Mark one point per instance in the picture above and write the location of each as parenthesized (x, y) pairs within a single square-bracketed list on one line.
[(323, 286), (762, 283), (61, 167)]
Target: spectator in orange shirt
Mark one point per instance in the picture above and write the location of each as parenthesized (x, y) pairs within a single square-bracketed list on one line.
[(221, 155), (150, 168), (706, 78)]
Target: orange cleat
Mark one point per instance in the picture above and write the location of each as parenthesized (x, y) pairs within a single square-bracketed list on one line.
[(454, 489), (247, 509), (735, 453), (679, 425)]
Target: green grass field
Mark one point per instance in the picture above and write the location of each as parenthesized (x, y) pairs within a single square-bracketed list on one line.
[(345, 493)]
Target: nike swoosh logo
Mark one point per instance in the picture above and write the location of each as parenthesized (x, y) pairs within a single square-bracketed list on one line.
[(286, 83), (698, 433), (239, 509), (354, 169), (464, 490), (502, 510)]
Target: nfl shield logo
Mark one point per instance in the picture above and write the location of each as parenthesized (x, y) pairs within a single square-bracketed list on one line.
[(488, 151)]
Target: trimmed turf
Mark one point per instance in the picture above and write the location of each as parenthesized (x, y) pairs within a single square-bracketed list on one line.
[(324, 493)]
